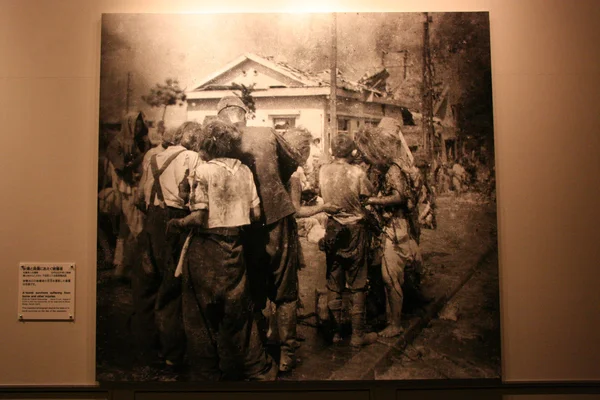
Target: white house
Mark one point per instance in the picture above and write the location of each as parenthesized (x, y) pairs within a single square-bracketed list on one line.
[(287, 97)]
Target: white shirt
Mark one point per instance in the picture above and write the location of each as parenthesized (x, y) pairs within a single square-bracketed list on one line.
[(226, 188), (172, 175)]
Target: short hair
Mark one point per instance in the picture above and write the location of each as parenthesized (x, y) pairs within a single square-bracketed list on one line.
[(299, 138), (220, 139), (342, 146), (191, 134), (168, 137), (186, 129), (378, 145)]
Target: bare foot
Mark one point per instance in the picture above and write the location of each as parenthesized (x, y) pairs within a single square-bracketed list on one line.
[(364, 340), (391, 331)]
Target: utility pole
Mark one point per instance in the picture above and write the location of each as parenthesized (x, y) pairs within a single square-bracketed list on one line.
[(128, 93), (333, 93), (427, 91), (404, 61)]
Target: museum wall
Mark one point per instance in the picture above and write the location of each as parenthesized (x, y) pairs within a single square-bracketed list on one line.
[(546, 73)]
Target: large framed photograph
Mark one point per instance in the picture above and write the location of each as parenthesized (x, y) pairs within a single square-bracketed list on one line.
[(297, 197)]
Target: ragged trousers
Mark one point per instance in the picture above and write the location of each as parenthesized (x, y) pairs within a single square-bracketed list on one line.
[(223, 338)]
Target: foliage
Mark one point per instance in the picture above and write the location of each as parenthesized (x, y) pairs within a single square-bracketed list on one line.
[(246, 97), (164, 95), (461, 46)]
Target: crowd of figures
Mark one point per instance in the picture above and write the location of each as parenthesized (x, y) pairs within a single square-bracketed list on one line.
[(207, 234)]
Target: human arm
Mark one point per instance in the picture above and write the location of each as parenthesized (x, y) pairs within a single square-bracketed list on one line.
[(394, 199), (146, 180), (197, 219), (198, 203), (255, 211), (395, 184), (307, 211)]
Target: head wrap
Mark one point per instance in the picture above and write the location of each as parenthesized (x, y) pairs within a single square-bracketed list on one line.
[(231, 101)]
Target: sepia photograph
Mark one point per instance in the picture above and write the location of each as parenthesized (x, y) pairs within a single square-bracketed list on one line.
[(296, 197)]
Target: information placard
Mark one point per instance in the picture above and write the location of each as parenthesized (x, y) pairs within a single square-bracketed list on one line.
[(46, 291)]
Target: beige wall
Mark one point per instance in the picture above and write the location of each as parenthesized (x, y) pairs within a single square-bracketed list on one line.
[(198, 109), (546, 68), (264, 78), (308, 111)]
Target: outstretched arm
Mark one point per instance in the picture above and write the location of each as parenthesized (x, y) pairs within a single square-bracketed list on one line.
[(391, 200), (307, 211), (396, 184)]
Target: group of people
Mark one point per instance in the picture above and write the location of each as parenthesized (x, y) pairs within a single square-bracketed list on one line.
[(211, 217), (468, 173)]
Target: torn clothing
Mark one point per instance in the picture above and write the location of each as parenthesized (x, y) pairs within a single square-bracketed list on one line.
[(346, 252), (223, 340), (272, 162), (274, 258), (226, 188), (156, 292), (343, 184)]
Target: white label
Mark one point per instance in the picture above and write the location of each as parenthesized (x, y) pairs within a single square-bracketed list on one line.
[(47, 291)]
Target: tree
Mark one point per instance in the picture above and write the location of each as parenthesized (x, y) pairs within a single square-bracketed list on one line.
[(169, 94), (462, 47), (246, 97)]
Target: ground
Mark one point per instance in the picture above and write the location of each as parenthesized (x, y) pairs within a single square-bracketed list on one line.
[(461, 273), (464, 342)]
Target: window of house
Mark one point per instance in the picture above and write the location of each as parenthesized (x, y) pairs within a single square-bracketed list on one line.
[(343, 125), (372, 122), (407, 117), (284, 123)]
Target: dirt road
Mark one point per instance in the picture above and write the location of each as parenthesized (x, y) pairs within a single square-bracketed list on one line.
[(466, 232)]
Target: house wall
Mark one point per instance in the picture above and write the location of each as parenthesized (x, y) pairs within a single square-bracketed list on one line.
[(358, 113), (308, 111), (250, 72), (198, 110), (311, 112)]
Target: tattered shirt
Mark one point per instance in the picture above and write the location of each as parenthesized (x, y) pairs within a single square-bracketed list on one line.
[(343, 184), (225, 187)]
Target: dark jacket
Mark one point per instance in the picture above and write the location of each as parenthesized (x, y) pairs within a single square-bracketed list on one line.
[(272, 162)]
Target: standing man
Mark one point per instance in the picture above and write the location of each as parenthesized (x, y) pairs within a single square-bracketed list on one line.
[(272, 245), (157, 321)]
